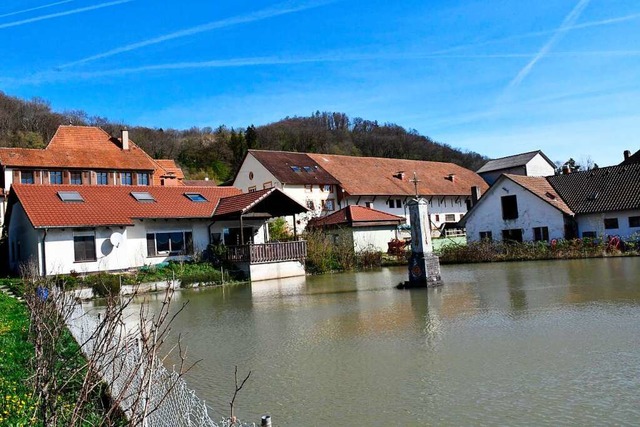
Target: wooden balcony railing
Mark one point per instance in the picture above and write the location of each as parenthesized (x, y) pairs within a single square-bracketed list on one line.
[(268, 252)]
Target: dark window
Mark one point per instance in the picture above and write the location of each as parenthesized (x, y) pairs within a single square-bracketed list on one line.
[(326, 188), (634, 221), (329, 205), (26, 177), (437, 218), (126, 178), (509, 207), (55, 177), (102, 178), (589, 234), (76, 178), (513, 235), (369, 205), (450, 217), (541, 233), (252, 189), (143, 179), (84, 248), (310, 205), (610, 223), (391, 203), (486, 235), (170, 243)]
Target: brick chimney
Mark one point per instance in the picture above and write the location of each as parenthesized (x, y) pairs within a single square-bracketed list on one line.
[(627, 154), (125, 139)]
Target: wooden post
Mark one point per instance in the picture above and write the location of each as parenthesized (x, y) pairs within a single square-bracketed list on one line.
[(295, 230), (265, 421)]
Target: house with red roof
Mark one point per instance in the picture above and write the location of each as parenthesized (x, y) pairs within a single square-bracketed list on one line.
[(366, 228), (84, 155), (326, 183), (90, 228)]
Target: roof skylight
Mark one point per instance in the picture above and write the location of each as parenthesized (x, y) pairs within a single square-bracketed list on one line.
[(195, 197), (308, 169), (295, 168), (70, 196), (142, 196)]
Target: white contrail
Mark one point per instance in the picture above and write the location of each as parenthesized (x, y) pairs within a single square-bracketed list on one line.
[(279, 9), (18, 12), (59, 14), (569, 21)]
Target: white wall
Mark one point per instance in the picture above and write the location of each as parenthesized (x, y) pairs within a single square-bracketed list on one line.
[(260, 175), (538, 166), (376, 237), (595, 222), (439, 206), (532, 212), (24, 236)]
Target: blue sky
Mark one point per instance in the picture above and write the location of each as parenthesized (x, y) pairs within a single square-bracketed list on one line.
[(493, 76)]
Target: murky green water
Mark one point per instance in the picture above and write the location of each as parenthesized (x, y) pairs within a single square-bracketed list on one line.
[(538, 343)]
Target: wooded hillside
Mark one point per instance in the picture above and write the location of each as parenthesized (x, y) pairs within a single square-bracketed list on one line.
[(216, 153)]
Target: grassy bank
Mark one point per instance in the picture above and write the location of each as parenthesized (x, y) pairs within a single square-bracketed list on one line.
[(490, 251), (17, 405)]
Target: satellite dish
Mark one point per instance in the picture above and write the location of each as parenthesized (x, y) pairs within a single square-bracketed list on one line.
[(115, 239)]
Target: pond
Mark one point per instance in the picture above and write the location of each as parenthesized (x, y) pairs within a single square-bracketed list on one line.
[(550, 342)]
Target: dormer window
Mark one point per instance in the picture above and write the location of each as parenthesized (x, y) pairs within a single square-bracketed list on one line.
[(126, 178), (143, 178)]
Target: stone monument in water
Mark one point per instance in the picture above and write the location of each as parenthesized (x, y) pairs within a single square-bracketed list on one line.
[(424, 266)]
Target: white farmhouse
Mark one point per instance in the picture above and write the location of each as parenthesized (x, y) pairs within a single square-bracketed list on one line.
[(327, 182), (599, 203), (534, 163)]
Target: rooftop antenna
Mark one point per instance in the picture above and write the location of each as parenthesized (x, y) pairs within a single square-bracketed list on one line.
[(415, 181)]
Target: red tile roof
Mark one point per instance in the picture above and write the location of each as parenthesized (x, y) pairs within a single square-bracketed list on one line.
[(170, 168), (354, 216), (282, 164), (539, 186), (368, 176), (271, 200), (83, 147), (113, 205)]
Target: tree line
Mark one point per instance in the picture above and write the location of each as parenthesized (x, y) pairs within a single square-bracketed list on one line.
[(216, 153)]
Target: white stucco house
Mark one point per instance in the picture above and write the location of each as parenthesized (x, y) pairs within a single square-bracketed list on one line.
[(533, 163), (84, 229), (326, 183), (519, 208), (367, 228), (598, 203)]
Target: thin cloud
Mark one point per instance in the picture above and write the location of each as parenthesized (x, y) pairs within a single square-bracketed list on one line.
[(60, 14), (568, 21), (277, 10), (603, 22), (18, 12)]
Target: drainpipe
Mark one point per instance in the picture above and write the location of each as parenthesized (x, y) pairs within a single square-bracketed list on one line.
[(241, 231), (44, 253)]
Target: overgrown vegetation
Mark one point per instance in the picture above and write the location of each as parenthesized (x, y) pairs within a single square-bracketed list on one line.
[(490, 251), (217, 152), (21, 392), (326, 253)]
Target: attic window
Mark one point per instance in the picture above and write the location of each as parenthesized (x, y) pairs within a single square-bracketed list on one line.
[(308, 169), (70, 196), (195, 197), (142, 196), (295, 168), (593, 197)]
